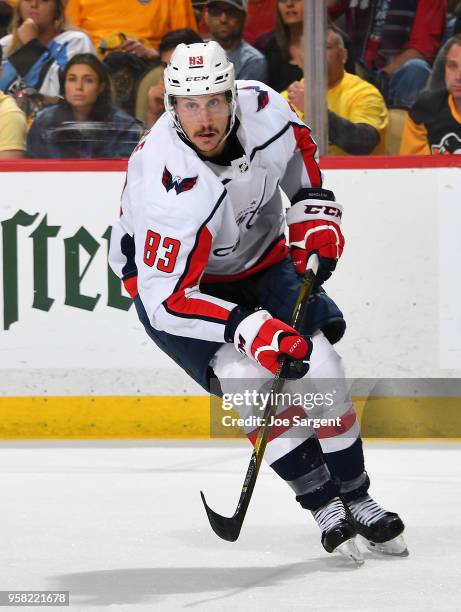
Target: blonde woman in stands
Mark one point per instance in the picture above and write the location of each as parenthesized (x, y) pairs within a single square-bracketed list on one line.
[(38, 47)]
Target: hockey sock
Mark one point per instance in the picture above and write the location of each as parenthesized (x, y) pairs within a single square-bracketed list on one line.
[(304, 469), (347, 466)]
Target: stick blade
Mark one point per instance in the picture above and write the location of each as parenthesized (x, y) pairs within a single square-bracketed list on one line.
[(227, 528)]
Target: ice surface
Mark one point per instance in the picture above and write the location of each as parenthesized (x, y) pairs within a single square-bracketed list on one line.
[(121, 526)]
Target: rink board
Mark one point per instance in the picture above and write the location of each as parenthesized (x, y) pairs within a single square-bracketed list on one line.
[(189, 417), (75, 362)]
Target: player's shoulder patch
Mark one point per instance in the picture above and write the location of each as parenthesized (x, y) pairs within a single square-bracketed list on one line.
[(177, 183), (271, 108)]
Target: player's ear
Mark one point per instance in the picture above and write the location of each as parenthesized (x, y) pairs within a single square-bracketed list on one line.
[(345, 55), (206, 16)]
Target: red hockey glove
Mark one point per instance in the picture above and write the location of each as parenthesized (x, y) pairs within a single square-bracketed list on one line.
[(268, 340), (314, 228)]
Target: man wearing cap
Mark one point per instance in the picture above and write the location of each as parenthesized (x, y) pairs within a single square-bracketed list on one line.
[(226, 20)]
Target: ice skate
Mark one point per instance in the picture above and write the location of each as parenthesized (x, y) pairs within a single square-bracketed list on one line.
[(381, 530), (338, 530)]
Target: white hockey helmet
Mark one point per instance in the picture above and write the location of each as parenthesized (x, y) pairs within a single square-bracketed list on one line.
[(199, 69)]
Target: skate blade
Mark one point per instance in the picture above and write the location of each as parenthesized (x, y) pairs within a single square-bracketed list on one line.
[(395, 547), (349, 550)]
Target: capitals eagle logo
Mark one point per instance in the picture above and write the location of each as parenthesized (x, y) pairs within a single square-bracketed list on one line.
[(177, 182)]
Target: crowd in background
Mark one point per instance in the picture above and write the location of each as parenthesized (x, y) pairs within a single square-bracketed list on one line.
[(84, 78)]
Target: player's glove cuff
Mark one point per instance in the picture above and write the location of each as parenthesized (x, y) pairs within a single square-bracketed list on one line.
[(247, 330), (237, 315), (326, 267)]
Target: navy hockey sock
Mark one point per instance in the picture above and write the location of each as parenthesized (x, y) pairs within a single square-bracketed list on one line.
[(347, 467), (304, 469)]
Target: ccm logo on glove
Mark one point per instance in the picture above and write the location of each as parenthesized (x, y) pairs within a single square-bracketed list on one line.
[(331, 211), (313, 223)]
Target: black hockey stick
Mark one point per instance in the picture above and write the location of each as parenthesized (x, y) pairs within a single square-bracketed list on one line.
[(228, 528)]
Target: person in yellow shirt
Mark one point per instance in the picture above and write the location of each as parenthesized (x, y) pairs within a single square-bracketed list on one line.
[(141, 23), (433, 124), (357, 114), (13, 127)]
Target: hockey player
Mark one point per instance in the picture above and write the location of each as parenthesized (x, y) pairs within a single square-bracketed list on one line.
[(200, 246)]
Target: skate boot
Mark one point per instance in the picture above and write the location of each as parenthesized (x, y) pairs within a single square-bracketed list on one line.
[(338, 530), (381, 530)]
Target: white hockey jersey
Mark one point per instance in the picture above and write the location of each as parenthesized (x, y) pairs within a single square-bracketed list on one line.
[(185, 220)]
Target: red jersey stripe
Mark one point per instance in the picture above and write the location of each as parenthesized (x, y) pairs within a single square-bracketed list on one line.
[(278, 430), (328, 431), (308, 149), (178, 303), (131, 285)]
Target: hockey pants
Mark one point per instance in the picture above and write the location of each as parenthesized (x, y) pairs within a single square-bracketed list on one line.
[(316, 472)]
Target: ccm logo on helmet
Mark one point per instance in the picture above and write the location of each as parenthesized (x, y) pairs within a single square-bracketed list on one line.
[(196, 61), (327, 210), (200, 78)]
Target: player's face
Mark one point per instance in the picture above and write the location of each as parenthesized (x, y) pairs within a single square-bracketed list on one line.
[(291, 11), (224, 21), (43, 12), (204, 119), (453, 72), (82, 86)]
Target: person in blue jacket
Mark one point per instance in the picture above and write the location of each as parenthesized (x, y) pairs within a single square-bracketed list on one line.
[(85, 124)]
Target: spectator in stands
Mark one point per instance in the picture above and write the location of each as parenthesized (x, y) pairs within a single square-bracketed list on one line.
[(13, 127), (127, 34), (226, 20), (260, 20), (284, 49), (155, 93), (38, 47), (134, 26), (357, 113), (433, 125), (85, 124), (396, 41)]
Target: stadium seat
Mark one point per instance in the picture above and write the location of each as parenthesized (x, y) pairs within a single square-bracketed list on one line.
[(394, 132)]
